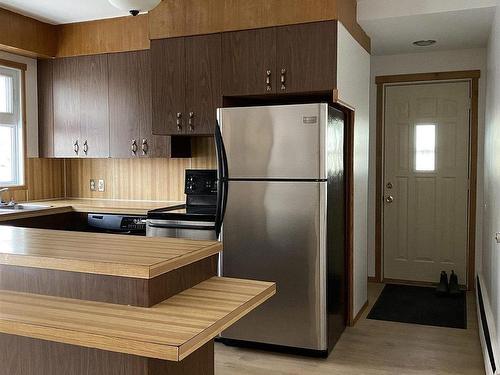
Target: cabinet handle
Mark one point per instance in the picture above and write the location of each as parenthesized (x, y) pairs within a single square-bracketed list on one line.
[(145, 146), (179, 121), (283, 79), (76, 147), (268, 80), (85, 147), (190, 121), (134, 146)]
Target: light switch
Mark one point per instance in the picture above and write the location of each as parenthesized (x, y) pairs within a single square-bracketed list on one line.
[(100, 185)]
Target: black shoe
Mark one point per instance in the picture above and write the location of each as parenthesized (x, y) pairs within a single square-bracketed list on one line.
[(442, 288), (454, 289)]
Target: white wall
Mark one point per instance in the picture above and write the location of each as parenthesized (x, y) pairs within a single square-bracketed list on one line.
[(469, 59), (353, 84), (31, 100), (490, 271)]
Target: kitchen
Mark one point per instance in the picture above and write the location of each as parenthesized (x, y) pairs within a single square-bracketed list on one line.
[(174, 159)]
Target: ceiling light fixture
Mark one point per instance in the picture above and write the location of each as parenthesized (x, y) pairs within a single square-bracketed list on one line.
[(424, 43), (134, 7)]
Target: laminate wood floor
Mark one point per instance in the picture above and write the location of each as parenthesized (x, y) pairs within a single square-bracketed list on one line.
[(372, 348)]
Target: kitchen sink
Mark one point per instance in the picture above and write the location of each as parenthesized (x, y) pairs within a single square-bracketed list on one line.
[(22, 207)]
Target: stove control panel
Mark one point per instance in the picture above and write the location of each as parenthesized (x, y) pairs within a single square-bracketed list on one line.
[(200, 182)]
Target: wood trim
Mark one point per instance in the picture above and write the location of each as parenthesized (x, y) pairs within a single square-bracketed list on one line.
[(26, 36), (379, 182), (13, 64), (474, 125), (103, 36), (372, 279), (465, 75), (350, 115), (360, 313), (436, 76), (22, 68), (408, 282)]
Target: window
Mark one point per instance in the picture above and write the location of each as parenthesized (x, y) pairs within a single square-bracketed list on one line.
[(11, 129), (425, 148)]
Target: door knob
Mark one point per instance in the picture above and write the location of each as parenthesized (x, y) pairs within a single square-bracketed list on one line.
[(389, 199)]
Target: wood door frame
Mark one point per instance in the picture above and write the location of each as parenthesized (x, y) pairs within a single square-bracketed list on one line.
[(471, 76)]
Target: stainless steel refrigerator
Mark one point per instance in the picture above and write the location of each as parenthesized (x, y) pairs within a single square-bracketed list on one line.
[(282, 197)]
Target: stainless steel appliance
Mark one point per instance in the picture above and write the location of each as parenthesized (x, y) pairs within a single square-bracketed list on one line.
[(118, 224), (194, 220), (281, 172)]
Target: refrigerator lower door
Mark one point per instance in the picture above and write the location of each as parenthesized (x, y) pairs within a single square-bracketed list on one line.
[(276, 231)]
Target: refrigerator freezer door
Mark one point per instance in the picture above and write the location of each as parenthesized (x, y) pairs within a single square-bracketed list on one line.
[(275, 142), (275, 231)]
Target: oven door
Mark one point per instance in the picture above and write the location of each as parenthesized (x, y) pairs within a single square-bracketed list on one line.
[(194, 230)]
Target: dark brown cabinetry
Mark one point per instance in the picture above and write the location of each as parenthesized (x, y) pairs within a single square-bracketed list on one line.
[(186, 76), (286, 59), (45, 109), (249, 62), (130, 107), (80, 94)]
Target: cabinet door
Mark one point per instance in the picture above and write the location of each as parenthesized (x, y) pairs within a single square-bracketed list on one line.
[(45, 109), (66, 107), (127, 108), (168, 77), (94, 109), (203, 83), (307, 56), (247, 58)]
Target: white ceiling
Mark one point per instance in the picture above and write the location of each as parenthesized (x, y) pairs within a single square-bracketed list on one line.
[(63, 11), (455, 24)]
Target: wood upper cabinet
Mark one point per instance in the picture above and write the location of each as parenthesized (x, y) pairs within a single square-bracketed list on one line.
[(307, 57), (286, 59), (249, 62), (66, 107), (80, 93), (45, 109), (203, 83), (130, 107), (168, 77), (186, 84)]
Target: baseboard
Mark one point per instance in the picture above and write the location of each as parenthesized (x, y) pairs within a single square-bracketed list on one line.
[(358, 315), (487, 332)]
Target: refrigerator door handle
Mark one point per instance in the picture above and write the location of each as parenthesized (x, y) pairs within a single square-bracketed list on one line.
[(222, 179)]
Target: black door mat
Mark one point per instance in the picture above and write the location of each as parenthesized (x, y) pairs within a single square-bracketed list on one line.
[(420, 305)]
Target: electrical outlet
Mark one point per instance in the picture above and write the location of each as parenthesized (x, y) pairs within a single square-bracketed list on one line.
[(497, 237), (92, 185), (100, 185)]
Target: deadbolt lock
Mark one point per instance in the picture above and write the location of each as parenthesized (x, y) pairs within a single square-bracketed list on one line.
[(389, 185)]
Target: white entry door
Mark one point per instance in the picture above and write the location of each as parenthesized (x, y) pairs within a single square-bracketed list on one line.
[(426, 168)]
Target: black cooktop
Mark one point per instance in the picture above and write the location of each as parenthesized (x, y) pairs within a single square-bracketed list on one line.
[(184, 212)]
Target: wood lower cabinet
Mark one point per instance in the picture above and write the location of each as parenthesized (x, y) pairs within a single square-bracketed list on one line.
[(249, 62), (203, 83), (80, 93), (186, 84), (307, 57), (168, 77), (130, 107)]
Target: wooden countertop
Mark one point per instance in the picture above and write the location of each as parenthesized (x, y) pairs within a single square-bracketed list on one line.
[(110, 206), (170, 330), (105, 254)]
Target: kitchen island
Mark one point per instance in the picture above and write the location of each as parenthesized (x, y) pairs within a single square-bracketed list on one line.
[(104, 304)]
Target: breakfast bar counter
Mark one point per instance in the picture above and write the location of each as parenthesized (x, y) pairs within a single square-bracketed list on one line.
[(81, 303)]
